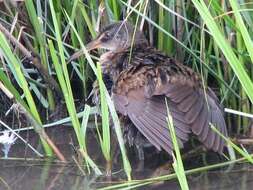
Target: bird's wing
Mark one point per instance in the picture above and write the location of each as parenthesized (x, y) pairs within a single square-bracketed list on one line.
[(142, 99)]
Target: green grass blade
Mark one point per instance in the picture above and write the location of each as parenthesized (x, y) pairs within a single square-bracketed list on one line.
[(246, 155), (225, 48), (115, 118), (105, 116), (240, 24), (5, 80), (65, 80), (178, 163), (19, 75), (11, 59)]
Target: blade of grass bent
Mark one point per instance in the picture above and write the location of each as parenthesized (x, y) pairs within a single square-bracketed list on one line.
[(113, 112), (105, 117), (40, 37), (65, 84), (246, 155), (178, 163), (245, 34), (225, 48), (32, 111), (138, 183), (61, 79)]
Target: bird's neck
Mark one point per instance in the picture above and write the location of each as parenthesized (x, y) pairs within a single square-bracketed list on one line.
[(114, 62)]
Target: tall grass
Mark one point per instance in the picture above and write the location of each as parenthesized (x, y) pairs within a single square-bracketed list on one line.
[(213, 39), (177, 159)]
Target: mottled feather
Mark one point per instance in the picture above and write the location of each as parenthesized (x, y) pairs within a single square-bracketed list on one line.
[(140, 92)]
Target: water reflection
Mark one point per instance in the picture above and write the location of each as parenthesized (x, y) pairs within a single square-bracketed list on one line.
[(42, 175), (38, 175), (49, 175)]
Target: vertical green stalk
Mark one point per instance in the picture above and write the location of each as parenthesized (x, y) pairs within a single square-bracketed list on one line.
[(177, 159), (226, 48), (88, 21), (116, 122), (168, 24), (68, 95), (244, 32), (106, 143), (161, 23), (38, 28), (80, 133), (243, 104), (24, 85), (115, 9)]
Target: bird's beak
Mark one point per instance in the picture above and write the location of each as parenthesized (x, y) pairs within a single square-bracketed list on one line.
[(94, 44), (90, 46)]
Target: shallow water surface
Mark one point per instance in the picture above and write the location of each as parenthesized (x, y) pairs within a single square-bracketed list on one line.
[(23, 170), (21, 175)]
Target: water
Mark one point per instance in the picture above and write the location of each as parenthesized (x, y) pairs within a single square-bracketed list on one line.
[(24, 171)]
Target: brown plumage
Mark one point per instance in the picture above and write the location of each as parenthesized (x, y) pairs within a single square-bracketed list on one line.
[(143, 78)]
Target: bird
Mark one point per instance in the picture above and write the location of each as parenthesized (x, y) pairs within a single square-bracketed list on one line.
[(145, 81)]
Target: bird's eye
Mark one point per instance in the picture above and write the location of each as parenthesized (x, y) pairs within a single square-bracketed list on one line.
[(105, 37)]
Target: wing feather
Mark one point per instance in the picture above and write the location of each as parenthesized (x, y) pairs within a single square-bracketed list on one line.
[(151, 134), (192, 111)]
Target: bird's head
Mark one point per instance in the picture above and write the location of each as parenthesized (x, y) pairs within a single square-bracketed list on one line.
[(115, 37)]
